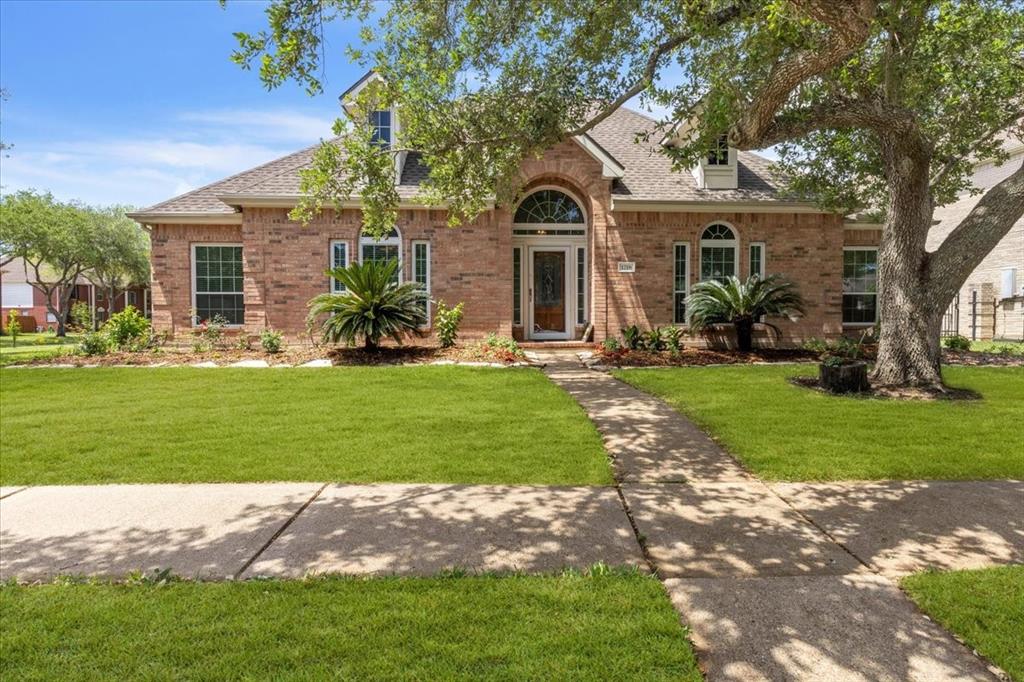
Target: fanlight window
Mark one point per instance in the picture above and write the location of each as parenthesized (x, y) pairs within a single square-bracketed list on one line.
[(548, 206), (717, 231)]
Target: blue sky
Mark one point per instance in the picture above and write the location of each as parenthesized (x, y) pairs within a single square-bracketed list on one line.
[(133, 102)]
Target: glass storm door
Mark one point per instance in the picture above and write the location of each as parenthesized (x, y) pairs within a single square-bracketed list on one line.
[(550, 319)]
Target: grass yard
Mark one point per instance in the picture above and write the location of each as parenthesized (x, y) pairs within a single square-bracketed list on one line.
[(616, 626), (785, 432), (360, 424), (984, 607), (34, 345), (1007, 347)]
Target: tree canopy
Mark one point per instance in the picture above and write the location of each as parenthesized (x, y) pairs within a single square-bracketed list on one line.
[(483, 84)]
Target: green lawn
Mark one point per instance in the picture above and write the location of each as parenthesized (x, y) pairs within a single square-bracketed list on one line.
[(785, 432), (984, 607), (1007, 347), (568, 627), (361, 424), (32, 346)]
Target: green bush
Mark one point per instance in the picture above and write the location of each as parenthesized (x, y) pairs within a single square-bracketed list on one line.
[(632, 337), (840, 351), (372, 307), (673, 338), (742, 304), (94, 343), (126, 328), (653, 340), (271, 340), (957, 342), (501, 348), (81, 316), (611, 345), (446, 322)]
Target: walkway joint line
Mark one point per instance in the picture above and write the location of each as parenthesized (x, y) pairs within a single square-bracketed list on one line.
[(14, 492), (640, 540), (279, 532)]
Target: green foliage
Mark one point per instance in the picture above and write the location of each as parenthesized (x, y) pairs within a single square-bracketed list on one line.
[(653, 340), (81, 316), (13, 326), (126, 328), (957, 342), (632, 337), (611, 345), (713, 301), (446, 323), (94, 343), (209, 334), (842, 350), (271, 340), (372, 307), (673, 338), (500, 348)]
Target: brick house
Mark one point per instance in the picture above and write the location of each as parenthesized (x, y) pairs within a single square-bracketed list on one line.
[(604, 235)]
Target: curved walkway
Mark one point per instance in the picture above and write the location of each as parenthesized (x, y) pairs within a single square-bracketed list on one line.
[(787, 582)]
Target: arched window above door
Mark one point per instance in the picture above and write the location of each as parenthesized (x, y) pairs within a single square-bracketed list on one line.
[(549, 207), (718, 249)]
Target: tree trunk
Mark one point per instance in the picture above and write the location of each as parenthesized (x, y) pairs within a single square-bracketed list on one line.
[(908, 350), (744, 334)]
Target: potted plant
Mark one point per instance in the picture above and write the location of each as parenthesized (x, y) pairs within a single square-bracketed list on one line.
[(742, 304), (841, 366)]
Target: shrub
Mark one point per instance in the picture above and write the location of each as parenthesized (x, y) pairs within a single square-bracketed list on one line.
[(611, 346), (81, 316), (632, 337), (13, 326), (372, 307), (210, 333), (653, 340), (446, 322), (673, 338), (94, 343), (841, 351), (957, 342), (244, 342), (501, 348), (126, 327), (742, 304), (271, 340)]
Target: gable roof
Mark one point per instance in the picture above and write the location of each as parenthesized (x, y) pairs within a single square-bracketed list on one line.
[(640, 175)]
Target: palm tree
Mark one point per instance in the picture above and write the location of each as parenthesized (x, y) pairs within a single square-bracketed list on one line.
[(742, 304), (372, 306)]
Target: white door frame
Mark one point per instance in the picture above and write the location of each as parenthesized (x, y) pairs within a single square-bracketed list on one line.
[(567, 292)]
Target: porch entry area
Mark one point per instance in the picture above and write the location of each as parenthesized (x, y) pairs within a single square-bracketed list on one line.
[(550, 267)]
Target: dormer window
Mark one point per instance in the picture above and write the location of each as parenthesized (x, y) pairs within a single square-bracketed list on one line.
[(380, 125), (719, 156)]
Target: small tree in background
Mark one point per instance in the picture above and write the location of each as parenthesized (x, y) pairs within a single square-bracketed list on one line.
[(13, 327), (742, 304), (373, 306), (120, 256)]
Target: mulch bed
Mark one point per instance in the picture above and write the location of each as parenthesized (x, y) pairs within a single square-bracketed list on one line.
[(974, 358), (702, 356), (296, 355), (811, 383)]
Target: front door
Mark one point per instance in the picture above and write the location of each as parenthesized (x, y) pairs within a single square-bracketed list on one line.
[(549, 293)]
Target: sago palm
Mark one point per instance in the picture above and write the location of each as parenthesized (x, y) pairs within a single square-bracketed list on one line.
[(742, 304), (373, 306)]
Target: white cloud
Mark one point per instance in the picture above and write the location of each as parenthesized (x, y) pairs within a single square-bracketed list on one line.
[(281, 125)]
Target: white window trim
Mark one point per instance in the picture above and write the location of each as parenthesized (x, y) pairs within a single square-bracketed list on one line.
[(686, 280), (195, 306), (332, 283), (764, 258), (734, 244), (412, 245), (387, 241), (860, 293), (554, 226), (576, 283)]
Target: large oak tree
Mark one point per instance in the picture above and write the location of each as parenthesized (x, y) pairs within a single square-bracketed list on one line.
[(876, 106)]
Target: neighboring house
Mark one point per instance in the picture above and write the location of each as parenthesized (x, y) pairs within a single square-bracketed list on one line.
[(16, 293), (990, 305), (605, 235)]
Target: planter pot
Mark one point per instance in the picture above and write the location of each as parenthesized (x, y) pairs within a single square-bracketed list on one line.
[(851, 378)]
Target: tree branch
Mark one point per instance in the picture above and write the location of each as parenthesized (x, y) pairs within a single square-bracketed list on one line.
[(850, 23), (977, 234), (949, 164), (650, 70)]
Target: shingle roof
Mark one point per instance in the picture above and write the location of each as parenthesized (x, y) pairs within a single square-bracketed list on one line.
[(648, 175)]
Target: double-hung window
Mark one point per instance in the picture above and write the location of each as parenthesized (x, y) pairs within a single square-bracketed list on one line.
[(380, 127), (860, 285), (217, 282), (680, 280), (387, 248), (339, 259), (421, 272)]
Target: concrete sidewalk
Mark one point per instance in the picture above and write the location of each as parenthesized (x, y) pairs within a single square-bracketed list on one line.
[(290, 529), (785, 582)]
